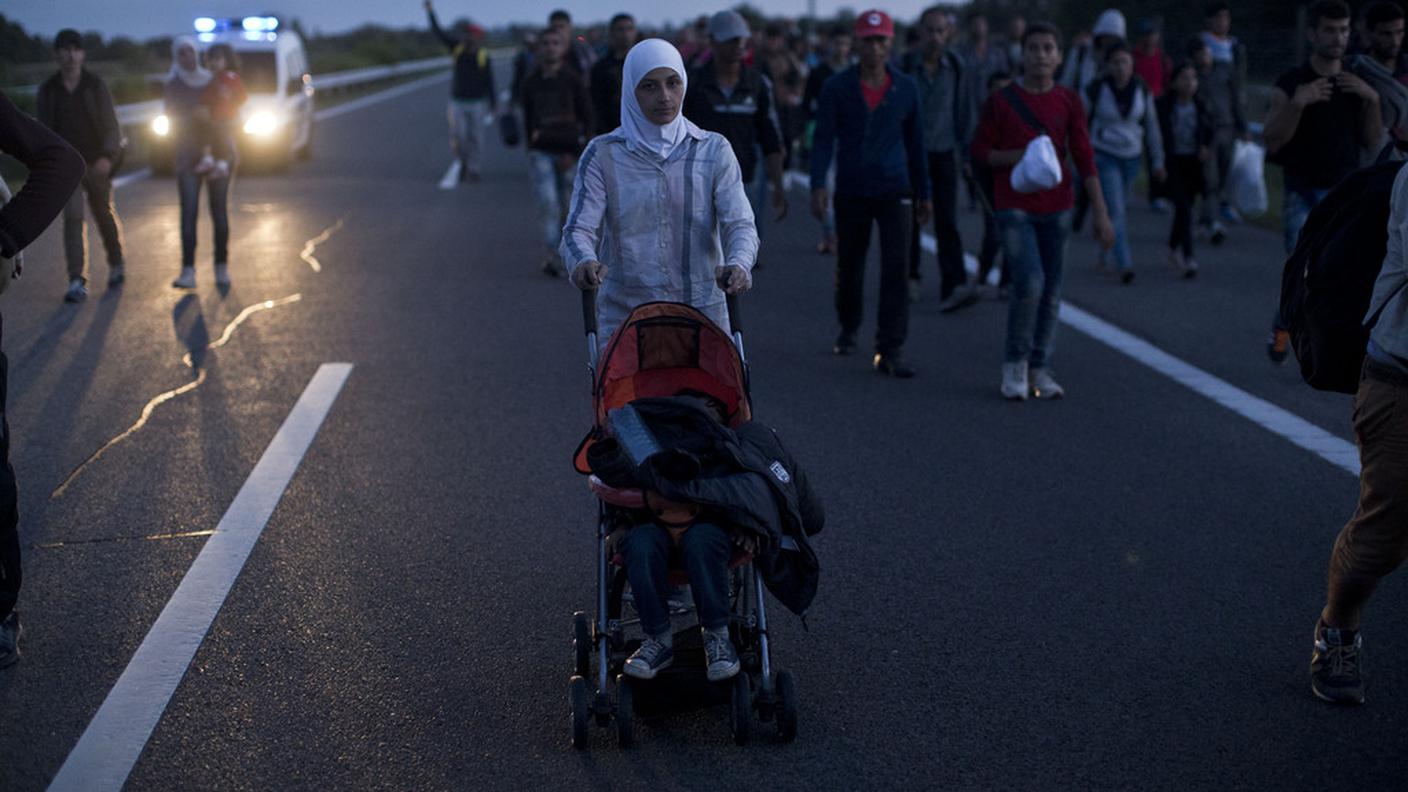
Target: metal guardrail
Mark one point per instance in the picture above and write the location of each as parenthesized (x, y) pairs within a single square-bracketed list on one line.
[(141, 112)]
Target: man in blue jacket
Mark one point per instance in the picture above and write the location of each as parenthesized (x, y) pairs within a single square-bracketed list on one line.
[(870, 118)]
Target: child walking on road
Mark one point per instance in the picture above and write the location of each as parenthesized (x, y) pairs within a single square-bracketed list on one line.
[(1186, 123)]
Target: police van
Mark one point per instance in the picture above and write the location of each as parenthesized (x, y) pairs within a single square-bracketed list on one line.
[(276, 123)]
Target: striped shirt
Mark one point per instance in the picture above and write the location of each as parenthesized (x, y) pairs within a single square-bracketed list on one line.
[(659, 227)]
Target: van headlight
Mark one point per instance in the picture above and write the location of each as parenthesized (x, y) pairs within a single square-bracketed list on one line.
[(161, 125), (261, 124)]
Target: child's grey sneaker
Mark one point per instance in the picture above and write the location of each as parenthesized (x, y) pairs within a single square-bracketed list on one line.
[(1334, 666), (651, 658), (721, 656), (10, 632), (77, 291)]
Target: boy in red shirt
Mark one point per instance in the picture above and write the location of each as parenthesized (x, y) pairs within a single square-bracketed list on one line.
[(1035, 225), (224, 95)]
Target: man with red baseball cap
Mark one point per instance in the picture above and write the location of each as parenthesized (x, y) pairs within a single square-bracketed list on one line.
[(471, 94), (869, 118)]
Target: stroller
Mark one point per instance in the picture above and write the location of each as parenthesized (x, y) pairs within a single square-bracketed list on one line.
[(661, 349)]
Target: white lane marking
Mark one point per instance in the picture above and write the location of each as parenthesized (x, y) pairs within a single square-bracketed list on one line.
[(1338, 452), (451, 179), (331, 112), (380, 96), (128, 178), (114, 739)]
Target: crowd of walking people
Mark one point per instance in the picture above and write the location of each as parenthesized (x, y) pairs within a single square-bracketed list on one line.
[(657, 164), (638, 199)]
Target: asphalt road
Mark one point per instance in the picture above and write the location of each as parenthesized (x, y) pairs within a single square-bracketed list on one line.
[(1114, 591)]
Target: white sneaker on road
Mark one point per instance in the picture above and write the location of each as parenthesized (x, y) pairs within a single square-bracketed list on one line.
[(1014, 381), (187, 279), (1044, 386)]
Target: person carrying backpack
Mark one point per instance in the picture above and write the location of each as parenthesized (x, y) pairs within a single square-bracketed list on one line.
[(1375, 540), (1122, 122)]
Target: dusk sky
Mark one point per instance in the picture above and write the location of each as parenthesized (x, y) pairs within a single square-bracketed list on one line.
[(146, 18)]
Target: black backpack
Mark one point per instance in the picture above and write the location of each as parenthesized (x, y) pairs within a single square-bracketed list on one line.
[(1329, 278)]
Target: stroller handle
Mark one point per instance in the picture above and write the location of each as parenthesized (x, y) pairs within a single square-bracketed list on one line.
[(589, 310), (735, 319)]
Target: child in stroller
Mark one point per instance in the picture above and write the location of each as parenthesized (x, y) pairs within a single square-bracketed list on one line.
[(683, 475)]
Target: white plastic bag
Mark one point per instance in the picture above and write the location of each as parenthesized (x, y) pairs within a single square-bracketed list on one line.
[(1039, 168), (1247, 180)]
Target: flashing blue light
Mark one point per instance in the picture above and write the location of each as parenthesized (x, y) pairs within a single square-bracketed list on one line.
[(205, 25), (260, 24)]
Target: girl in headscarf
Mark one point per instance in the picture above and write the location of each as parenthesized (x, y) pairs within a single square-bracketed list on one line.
[(190, 132), (659, 213), (658, 208)]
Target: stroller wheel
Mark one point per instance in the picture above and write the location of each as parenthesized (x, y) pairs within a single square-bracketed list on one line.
[(625, 712), (740, 713), (581, 699), (787, 709), (582, 644)]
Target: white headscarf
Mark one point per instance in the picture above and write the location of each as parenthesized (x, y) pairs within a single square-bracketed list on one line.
[(195, 78), (641, 132)]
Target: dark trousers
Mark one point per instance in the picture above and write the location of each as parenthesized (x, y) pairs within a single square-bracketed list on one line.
[(98, 192), (9, 508), (854, 218), (943, 179), (705, 550), (1185, 184), (981, 186), (188, 184), (1375, 541)]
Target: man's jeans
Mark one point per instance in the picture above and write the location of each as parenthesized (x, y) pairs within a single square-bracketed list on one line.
[(467, 119), (1295, 209), (188, 184), (9, 508), (1034, 247), (1116, 180), (553, 188), (98, 191), (1375, 541), (854, 218), (943, 179), (705, 550)]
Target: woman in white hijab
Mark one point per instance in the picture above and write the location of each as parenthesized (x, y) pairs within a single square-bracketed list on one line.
[(658, 209), (189, 117), (659, 213)]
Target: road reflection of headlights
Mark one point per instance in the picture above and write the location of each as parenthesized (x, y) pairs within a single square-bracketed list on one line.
[(161, 125), (261, 124)]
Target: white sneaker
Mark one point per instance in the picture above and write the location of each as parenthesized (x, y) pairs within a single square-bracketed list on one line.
[(1044, 386), (222, 275), (187, 279), (1014, 381), (205, 165), (221, 169)]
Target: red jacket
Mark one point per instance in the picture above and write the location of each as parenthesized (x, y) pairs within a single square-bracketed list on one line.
[(1000, 128), (1153, 68), (224, 95)]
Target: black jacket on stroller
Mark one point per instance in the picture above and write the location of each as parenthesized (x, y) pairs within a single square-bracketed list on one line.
[(744, 478)]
